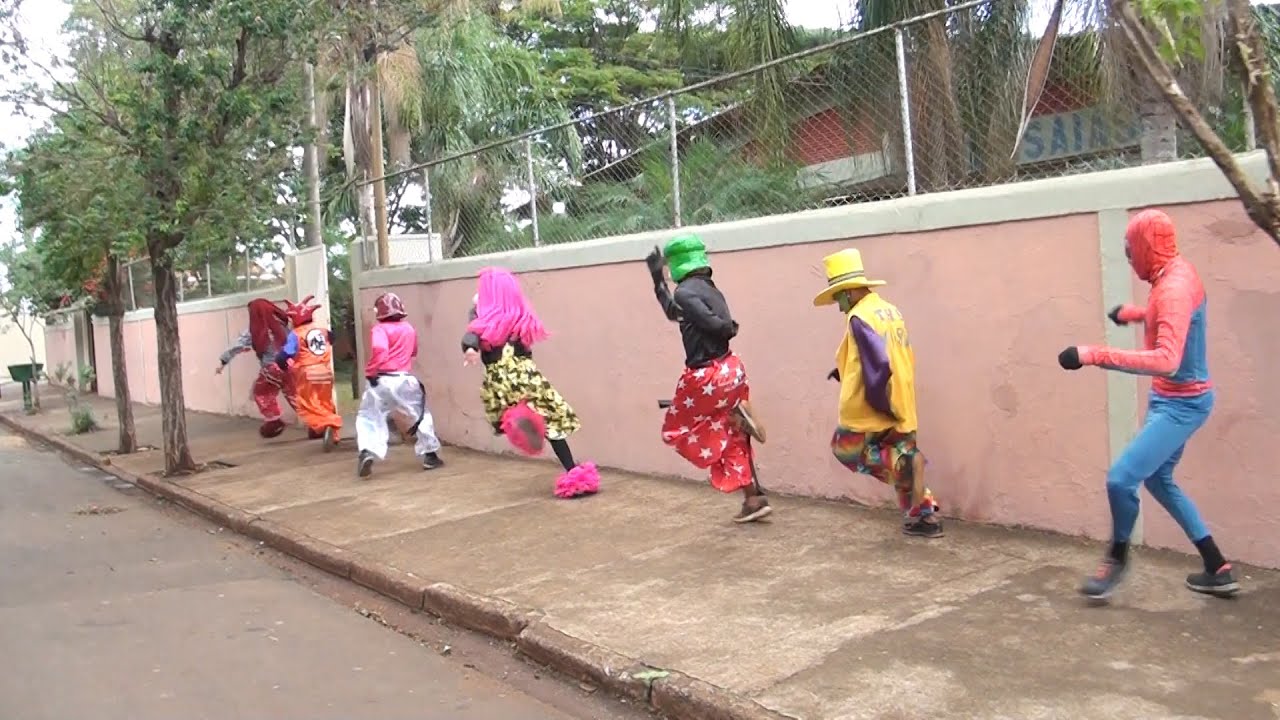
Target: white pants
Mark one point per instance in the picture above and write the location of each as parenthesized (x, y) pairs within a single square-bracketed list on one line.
[(393, 393)]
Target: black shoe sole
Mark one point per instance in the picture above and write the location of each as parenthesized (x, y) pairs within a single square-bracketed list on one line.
[(365, 467), (1222, 591), (927, 534)]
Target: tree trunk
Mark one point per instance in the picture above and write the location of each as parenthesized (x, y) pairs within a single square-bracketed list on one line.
[(1159, 141), (177, 451), (311, 163), (119, 369)]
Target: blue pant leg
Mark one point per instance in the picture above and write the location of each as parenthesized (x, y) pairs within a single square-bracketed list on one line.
[(1193, 411), (1162, 436)]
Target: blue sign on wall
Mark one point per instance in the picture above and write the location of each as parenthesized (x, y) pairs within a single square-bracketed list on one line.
[(1079, 132)]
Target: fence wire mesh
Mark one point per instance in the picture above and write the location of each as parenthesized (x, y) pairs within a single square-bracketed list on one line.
[(207, 277), (928, 104)]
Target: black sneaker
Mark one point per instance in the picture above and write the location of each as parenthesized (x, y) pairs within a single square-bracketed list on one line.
[(1105, 581), (364, 464), (431, 461), (920, 527), (329, 442), (1219, 584)]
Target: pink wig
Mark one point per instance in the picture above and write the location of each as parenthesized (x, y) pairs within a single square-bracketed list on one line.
[(503, 313)]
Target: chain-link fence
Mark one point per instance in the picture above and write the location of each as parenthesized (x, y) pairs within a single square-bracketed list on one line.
[(212, 277), (927, 104)]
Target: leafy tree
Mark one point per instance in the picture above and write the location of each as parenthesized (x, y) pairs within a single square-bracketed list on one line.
[(1162, 34), (198, 101), (24, 297), (75, 195)]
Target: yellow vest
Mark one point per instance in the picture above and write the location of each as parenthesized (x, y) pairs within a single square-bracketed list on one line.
[(855, 412)]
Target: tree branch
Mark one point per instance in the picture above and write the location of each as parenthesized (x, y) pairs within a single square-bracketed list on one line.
[(1261, 207)]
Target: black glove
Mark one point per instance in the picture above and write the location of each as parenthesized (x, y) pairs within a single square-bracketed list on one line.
[(1069, 359), (834, 374), (372, 379), (655, 262), (1115, 316)]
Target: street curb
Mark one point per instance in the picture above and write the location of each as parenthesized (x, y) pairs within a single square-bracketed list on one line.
[(585, 661), (675, 695)]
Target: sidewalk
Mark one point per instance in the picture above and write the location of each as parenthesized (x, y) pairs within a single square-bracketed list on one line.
[(825, 612)]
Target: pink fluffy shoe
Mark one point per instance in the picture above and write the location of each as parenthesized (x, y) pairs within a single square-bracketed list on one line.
[(524, 428), (582, 480)]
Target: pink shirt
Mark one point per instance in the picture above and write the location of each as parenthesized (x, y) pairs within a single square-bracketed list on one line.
[(392, 348)]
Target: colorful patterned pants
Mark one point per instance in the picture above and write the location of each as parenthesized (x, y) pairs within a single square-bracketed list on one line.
[(698, 427), (885, 456)]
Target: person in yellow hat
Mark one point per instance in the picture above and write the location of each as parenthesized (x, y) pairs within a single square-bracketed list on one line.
[(709, 421), (875, 366)]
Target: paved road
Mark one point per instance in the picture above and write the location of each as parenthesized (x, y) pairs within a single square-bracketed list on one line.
[(112, 607)]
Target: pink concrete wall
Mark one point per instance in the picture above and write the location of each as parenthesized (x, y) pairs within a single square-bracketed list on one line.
[(1011, 438), (59, 347), (1229, 466), (992, 397), (203, 337)]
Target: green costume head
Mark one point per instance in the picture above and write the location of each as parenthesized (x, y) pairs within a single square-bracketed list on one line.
[(685, 253)]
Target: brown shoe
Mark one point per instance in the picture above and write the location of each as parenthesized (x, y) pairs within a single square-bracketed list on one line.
[(752, 512), (745, 420)]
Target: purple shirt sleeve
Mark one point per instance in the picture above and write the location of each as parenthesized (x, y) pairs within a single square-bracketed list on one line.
[(874, 358)]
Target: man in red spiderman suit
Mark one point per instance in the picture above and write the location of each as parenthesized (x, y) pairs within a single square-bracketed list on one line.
[(266, 336), (1174, 356)]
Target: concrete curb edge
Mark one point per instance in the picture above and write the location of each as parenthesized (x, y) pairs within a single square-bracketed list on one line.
[(673, 694)]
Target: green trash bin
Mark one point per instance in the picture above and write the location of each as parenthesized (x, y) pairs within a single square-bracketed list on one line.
[(28, 375)]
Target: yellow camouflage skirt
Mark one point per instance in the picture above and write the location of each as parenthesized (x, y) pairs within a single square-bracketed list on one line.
[(512, 378)]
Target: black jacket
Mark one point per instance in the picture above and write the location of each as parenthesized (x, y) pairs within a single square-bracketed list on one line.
[(706, 327), (471, 341)]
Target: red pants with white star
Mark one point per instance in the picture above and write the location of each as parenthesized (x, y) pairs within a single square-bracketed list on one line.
[(697, 423)]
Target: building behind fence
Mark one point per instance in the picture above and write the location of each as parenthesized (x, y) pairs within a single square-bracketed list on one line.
[(927, 105)]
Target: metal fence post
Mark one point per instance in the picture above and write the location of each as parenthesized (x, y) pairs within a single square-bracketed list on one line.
[(908, 149), (133, 297), (673, 119), (208, 276), (248, 282), (426, 193), (533, 191)]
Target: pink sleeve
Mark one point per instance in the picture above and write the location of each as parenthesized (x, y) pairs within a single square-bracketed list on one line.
[(377, 350), (414, 337), (1174, 302), (1132, 313)]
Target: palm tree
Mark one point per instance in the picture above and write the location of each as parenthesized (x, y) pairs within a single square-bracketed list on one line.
[(386, 86)]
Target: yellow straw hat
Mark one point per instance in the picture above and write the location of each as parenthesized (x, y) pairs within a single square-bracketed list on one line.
[(844, 272)]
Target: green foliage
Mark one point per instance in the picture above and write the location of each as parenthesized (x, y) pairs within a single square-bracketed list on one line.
[(83, 420), (718, 185), (1179, 26)]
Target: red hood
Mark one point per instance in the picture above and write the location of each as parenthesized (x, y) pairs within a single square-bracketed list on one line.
[(1152, 243)]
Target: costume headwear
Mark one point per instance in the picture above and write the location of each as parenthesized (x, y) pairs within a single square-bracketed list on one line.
[(303, 312), (389, 306), (685, 253), (267, 325), (1152, 243), (844, 272), (503, 312)]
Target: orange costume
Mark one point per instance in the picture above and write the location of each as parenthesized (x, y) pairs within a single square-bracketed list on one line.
[(308, 357)]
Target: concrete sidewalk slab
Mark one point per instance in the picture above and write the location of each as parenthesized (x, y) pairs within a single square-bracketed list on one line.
[(826, 612)]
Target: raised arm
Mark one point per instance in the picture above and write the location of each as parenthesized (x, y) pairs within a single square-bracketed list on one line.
[(243, 343), (1174, 306), (1125, 314)]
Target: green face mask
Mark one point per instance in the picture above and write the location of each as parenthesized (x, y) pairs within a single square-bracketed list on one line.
[(845, 303)]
